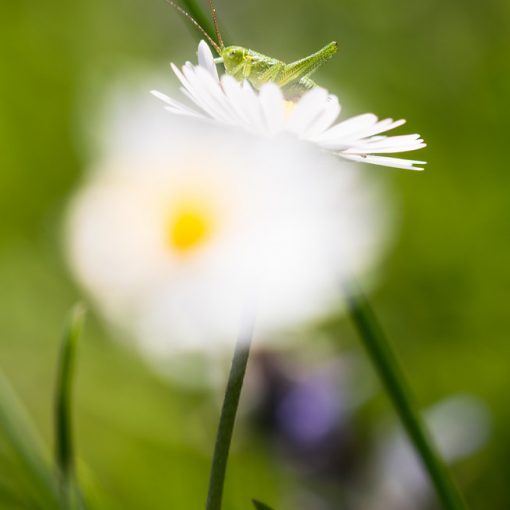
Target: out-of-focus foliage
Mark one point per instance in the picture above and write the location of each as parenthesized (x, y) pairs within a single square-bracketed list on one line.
[(443, 65)]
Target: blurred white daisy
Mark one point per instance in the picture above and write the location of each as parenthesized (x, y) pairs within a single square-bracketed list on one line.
[(312, 117), (180, 224)]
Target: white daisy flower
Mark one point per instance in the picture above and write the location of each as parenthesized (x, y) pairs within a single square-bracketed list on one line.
[(179, 224), (311, 118)]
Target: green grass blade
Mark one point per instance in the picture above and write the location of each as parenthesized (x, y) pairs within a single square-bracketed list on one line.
[(392, 377), (205, 20), (260, 506), (202, 19), (228, 416), (64, 448), (23, 441)]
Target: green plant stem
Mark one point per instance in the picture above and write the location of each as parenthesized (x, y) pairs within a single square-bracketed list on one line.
[(19, 433), (394, 382), (64, 450), (196, 12), (227, 417), (260, 506), (204, 20)]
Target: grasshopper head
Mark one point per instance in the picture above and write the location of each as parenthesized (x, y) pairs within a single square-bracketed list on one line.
[(232, 57)]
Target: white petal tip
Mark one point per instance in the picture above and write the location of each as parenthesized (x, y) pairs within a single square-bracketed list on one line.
[(159, 95)]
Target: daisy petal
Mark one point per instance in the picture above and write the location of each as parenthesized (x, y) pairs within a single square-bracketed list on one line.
[(234, 94), (324, 120), (206, 60), (406, 164), (387, 144), (390, 149), (253, 108), (346, 130), (305, 111), (380, 127), (273, 109), (174, 105)]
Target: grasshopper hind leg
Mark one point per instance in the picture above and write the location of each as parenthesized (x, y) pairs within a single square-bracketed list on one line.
[(306, 83), (296, 89)]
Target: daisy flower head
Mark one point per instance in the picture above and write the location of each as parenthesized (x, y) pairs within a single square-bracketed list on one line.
[(179, 224), (312, 118)]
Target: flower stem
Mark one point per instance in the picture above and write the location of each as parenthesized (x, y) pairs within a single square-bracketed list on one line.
[(64, 447), (196, 12), (18, 433), (228, 416), (393, 379)]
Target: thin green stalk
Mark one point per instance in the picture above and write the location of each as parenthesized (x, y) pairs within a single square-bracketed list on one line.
[(64, 450), (260, 506), (204, 20), (227, 418), (393, 379), (19, 433), (196, 12)]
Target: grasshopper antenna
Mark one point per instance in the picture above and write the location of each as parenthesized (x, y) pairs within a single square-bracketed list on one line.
[(197, 24), (215, 21)]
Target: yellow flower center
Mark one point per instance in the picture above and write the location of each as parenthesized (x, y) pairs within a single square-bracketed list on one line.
[(188, 227), (288, 108)]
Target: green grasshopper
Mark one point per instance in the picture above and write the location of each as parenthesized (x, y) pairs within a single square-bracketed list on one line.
[(245, 64)]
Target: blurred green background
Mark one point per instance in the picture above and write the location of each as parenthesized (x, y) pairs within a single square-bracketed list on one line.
[(444, 294)]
